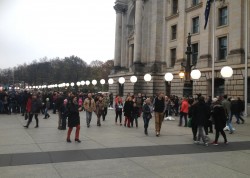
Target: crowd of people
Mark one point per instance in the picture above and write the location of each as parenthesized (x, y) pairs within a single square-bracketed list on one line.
[(201, 114)]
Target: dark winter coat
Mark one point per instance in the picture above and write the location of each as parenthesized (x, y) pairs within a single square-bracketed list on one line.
[(146, 111), (219, 117), (201, 113), (36, 106), (127, 109), (73, 115), (235, 107)]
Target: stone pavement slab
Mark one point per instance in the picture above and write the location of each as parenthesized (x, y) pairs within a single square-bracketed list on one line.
[(117, 151)]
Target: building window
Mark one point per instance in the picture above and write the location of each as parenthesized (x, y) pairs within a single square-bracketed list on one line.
[(175, 7), (173, 32), (195, 2), (195, 26), (195, 52), (222, 48), (173, 57), (223, 16)]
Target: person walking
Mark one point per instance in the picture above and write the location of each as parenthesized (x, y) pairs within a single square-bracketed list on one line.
[(118, 110), (226, 104), (127, 109), (159, 106), (184, 111), (99, 110), (219, 118), (64, 111), (73, 119), (47, 106), (89, 106), (136, 111), (146, 109), (106, 104), (34, 110), (201, 112)]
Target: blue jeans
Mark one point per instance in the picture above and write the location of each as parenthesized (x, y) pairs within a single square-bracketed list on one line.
[(229, 123), (146, 122), (88, 117)]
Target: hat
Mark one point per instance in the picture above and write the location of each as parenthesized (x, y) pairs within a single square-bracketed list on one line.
[(214, 100)]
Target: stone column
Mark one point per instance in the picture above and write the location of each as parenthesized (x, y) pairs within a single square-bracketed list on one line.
[(124, 40), (138, 31), (130, 56), (118, 36)]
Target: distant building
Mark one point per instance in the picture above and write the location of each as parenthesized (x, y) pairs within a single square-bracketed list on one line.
[(151, 37)]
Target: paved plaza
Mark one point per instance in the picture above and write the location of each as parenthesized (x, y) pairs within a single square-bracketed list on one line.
[(113, 151)]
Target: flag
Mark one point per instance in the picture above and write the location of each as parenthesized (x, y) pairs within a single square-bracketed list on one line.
[(207, 11)]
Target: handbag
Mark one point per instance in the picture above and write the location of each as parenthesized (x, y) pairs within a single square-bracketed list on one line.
[(189, 124)]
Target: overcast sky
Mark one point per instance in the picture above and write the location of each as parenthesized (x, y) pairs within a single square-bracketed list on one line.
[(33, 29)]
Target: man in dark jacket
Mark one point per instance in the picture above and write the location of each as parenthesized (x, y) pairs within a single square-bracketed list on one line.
[(159, 106), (220, 119), (201, 113)]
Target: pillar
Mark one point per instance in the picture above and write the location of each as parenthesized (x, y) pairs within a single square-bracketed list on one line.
[(118, 36), (138, 31)]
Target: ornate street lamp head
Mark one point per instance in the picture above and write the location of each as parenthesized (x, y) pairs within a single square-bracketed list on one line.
[(181, 74)]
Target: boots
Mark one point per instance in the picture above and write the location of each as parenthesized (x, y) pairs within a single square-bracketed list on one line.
[(146, 131)]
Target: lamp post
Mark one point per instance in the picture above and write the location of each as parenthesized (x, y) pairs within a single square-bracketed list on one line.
[(147, 77), (226, 72), (102, 82), (187, 89), (133, 79)]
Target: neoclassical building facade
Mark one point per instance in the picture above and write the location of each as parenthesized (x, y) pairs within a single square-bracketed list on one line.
[(151, 37)]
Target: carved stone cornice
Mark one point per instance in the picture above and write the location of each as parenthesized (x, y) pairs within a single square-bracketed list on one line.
[(121, 8), (192, 8)]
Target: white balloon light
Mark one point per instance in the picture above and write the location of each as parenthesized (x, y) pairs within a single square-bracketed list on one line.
[(121, 80), (226, 72), (168, 77), (195, 74), (147, 77), (110, 81), (78, 83), (82, 83), (133, 79), (67, 84), (102, 81), (72, 84), (94, 82), (87, 82)]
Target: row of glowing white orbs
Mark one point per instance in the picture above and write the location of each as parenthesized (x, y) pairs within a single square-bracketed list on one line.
[(195, 74)]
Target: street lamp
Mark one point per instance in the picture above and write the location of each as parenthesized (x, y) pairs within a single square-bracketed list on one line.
[(72, 84), (94, 82), (78, 83), (147, 77), (226, 72), (102, 81), (188, 89), (195, 74), (87, 82), (121, 80), (82, 83), (168, 77), (133, 79), (110, 81)]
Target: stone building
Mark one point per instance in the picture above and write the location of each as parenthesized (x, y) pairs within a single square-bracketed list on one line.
[(151, 37)]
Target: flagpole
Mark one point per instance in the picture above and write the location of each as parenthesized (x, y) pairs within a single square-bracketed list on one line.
[(213, 43), (246, 53)]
